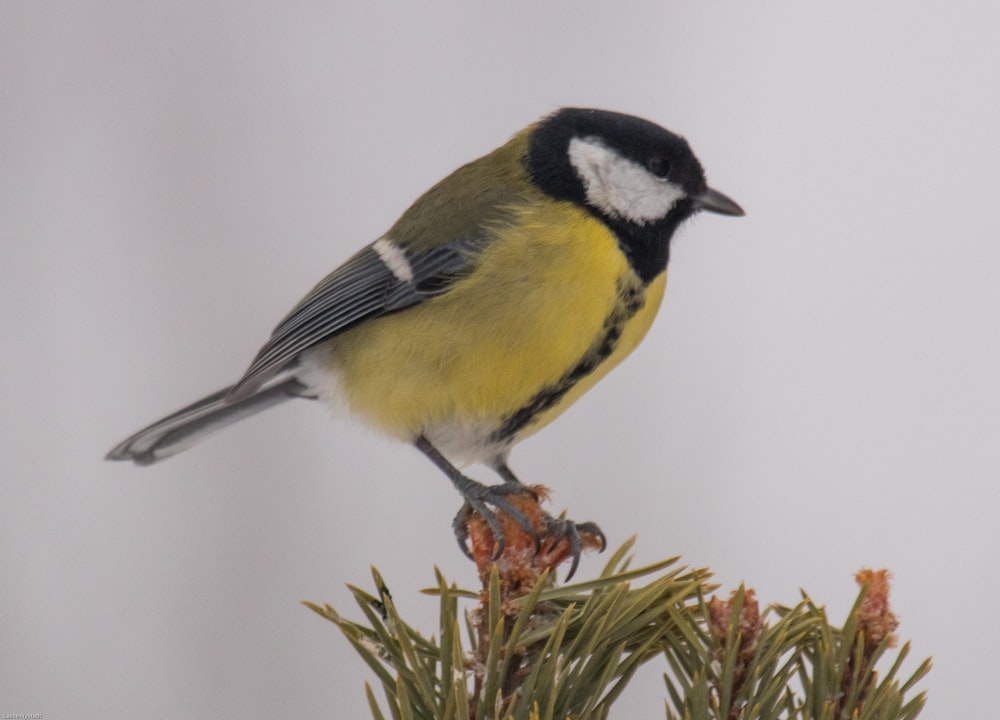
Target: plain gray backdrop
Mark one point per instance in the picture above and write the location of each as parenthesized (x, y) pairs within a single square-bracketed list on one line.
[(819, 393)]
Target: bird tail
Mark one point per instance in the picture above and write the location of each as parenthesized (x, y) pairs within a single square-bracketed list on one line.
[(184, 428)]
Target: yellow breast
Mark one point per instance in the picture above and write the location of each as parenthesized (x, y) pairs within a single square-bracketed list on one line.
[(539, 299)]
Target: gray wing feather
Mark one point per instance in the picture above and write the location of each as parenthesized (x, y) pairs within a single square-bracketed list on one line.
[(362, 288), (198, 420)]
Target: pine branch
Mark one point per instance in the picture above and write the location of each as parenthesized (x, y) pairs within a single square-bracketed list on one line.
[(532, 650)]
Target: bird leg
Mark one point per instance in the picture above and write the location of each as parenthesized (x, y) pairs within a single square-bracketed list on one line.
[(556, 529), (481, 499)]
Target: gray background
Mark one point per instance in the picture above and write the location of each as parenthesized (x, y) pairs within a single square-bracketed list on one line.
[(819, 393)]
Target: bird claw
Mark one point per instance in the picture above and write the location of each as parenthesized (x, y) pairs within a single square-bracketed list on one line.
[(479, 499), (556, 540), (559, 529)]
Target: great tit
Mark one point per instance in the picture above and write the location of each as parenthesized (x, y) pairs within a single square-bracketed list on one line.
[(499, 297)]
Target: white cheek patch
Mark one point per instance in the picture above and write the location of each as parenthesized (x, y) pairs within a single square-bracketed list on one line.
[(394, 258), (619, 186)]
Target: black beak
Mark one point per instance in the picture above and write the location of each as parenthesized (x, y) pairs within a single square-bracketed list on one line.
[(714, 201)]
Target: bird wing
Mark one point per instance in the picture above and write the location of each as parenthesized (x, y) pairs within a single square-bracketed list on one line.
[(380, 279)]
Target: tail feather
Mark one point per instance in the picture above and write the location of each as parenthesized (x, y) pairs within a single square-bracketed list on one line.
[(198, 420)]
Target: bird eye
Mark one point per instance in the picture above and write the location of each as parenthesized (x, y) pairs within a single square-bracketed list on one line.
[(659, 166)]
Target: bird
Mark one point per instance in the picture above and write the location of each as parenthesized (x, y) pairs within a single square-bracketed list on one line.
[(497, 299)]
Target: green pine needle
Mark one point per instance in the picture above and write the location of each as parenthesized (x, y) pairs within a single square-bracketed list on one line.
[(570, 651)]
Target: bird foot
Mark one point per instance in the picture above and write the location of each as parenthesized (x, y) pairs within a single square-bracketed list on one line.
[(560, 530), (529, 540), (479, 499)]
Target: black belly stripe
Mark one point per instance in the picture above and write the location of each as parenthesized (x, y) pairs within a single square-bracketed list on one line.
[(631, 297)]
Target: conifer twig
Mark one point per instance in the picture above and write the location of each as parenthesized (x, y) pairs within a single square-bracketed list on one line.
[(540, 651)]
